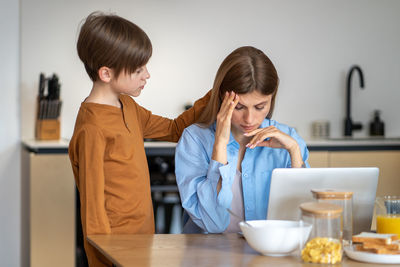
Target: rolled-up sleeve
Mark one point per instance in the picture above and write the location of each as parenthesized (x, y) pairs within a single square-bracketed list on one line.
[(303, 147), (197, 177)]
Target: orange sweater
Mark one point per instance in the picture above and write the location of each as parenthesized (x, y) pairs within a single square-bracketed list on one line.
[(110, 166)]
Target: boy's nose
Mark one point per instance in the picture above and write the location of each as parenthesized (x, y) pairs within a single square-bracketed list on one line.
[(147, 74)]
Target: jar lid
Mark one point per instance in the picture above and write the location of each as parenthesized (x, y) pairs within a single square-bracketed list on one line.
[(331, 194), (322, 210)]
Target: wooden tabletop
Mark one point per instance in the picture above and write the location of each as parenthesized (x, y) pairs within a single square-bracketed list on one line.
[(191, 250)]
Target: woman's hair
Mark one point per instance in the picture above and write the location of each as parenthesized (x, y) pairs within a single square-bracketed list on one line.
[(114, 42), (243, 71)]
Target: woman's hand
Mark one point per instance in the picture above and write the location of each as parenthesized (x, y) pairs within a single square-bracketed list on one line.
[(223, 128), (274, 138)]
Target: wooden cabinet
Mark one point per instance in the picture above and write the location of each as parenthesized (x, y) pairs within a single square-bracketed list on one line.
[(49, 210), (319, 159), (387, 161)]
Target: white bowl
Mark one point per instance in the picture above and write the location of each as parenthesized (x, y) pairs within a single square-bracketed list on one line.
[(275, 237)]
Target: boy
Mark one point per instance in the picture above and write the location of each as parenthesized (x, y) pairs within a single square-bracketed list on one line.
[(106, 150)]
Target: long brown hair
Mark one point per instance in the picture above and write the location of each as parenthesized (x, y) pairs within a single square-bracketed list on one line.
[(112, 41), (243, 71)]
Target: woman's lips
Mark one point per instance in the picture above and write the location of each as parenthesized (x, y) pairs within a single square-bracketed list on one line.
[(247, 128)]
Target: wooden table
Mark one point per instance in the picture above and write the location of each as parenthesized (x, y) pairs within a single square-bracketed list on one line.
[(191, 250)]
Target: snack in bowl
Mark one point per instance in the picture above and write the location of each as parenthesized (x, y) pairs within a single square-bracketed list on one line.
[(275, 237)]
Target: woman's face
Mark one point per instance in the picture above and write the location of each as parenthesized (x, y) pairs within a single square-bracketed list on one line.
[(250, 112)]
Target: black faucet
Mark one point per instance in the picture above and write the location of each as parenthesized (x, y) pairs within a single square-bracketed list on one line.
[(349, 126)]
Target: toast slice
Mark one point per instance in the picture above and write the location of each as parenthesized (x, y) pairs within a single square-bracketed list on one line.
[(373, 238), (394, 246)]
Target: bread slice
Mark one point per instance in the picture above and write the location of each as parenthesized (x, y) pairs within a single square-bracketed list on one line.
[(394, 246), (360, 247), (376, 250), (383, 239)]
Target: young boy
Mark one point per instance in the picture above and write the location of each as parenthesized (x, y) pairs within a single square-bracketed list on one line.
[(107, 150)]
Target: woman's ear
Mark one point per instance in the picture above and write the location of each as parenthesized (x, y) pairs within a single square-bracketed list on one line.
[(105, 74)]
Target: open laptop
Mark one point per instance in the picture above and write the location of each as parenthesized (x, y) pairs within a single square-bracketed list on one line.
[(291, 187)]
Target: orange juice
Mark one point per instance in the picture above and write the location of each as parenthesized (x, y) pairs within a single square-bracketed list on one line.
[(388, 224)]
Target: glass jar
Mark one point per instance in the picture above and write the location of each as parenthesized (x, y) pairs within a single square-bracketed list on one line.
[(324, 244), (387, 211), (343, 199)]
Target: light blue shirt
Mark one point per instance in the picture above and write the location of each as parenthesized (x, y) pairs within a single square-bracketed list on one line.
[(197, 177)]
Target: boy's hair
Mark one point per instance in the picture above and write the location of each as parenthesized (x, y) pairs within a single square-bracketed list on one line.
[(113, 42)]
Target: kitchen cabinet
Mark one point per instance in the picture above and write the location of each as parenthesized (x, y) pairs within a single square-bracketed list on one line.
[(48, 207), (386, 157), (387, 161), (319, 159)]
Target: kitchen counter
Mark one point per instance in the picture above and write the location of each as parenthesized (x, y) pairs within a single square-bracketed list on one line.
[(191, 250), (47, 205), (334, 144), (167, 148), (353, 144), (45, 147)]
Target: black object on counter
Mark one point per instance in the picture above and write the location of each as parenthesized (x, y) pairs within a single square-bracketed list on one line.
[(376, 127), (50, 103), (349, 125)]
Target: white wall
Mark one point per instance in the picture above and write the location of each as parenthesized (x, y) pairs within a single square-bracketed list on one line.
[(10, 178), (313, 43)]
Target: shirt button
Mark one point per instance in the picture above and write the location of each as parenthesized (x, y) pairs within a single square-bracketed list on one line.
[(245, 175)]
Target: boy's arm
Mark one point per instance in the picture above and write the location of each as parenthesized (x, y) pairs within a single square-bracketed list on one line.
[(89, 147), (166, 129)]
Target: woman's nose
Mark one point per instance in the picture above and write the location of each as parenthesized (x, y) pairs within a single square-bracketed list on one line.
[(247, 117)]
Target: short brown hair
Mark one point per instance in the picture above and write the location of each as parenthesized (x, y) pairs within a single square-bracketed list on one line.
[(243, 71), (114, 42)]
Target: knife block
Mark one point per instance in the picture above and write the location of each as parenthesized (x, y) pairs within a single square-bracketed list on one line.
[(48, 129)]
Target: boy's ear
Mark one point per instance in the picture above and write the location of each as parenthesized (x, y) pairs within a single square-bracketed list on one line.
[(105, 74)]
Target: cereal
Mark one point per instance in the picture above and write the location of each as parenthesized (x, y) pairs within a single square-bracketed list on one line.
[(322, 250)]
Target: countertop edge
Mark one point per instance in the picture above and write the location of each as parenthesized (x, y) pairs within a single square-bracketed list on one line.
[(166, 148)]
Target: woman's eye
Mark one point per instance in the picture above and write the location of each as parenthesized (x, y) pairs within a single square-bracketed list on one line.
[(260, 108), (238, 108)]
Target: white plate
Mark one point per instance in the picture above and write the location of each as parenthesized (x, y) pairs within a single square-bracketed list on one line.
[(371, 257)]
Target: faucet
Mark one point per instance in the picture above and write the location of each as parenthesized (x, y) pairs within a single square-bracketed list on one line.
[(349, 126)]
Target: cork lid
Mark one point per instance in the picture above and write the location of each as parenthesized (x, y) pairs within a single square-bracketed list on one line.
[(321, 210), (331, 194)]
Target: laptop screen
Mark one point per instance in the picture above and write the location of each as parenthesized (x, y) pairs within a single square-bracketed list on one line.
[(291, 187)]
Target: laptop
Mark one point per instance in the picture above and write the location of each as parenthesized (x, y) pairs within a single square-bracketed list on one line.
[(291, 187)]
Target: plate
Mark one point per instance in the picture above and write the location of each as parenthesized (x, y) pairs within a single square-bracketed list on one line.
[(371, 257)]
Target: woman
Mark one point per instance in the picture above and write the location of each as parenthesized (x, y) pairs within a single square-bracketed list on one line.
[(227, 159)]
